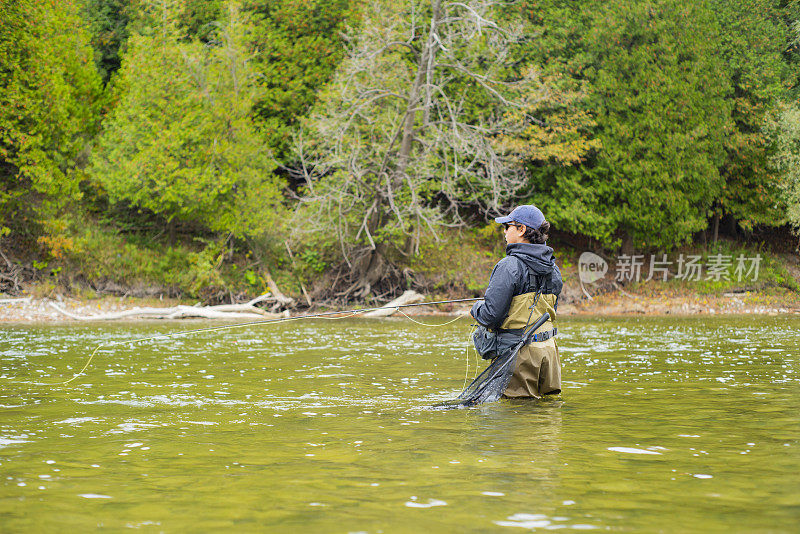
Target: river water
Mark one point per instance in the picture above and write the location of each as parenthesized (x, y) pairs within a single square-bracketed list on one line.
[(664, 424)]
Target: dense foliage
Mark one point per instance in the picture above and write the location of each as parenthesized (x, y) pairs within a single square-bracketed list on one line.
[(346, 132), (49, 111), (181, 142), (675, 97), (299, 45)]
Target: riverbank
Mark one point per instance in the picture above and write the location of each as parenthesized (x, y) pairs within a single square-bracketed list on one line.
[(648, 301), (668, 302), (460, 270)]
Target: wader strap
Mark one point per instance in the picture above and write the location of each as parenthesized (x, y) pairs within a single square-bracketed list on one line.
[(533, 307), (541, 336), (544, 336)]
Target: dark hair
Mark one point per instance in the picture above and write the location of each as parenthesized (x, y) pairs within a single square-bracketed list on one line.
[(537, 236)]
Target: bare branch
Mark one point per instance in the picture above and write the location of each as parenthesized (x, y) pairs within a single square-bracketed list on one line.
[(397, 144)]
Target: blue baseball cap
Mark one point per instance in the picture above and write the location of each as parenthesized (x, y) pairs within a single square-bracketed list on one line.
[(529, 215)]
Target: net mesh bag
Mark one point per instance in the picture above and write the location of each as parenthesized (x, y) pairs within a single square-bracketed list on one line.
[(489, 385), (493, 381)]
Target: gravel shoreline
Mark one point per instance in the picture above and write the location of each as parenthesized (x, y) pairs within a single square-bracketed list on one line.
[(43, 310)]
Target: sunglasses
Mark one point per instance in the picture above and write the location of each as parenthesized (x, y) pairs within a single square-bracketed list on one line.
[(506, 226)]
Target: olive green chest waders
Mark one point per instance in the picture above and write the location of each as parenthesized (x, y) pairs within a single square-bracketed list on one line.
[(537, 371)]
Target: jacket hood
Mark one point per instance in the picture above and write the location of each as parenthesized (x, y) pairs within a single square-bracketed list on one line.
[(538, 258)]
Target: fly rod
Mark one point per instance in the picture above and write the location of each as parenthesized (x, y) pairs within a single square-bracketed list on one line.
[(264, 321)]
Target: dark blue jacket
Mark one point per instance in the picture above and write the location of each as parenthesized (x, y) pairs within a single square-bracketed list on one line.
[(510, 278)]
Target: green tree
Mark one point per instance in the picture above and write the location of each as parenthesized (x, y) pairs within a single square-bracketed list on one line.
[(200, 17), (49, 94), (181, 143), (111, 22), (648, 76), (752, 39), (299, 45), (410, 129), (786, 160), (108, 21)]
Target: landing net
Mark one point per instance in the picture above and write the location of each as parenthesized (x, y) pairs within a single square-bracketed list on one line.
[(493, 381), (489, 385)]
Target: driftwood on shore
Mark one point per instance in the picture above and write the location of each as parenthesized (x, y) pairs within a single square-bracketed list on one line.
[(281, 299), (247, 310), (23, 300), (408, 297)]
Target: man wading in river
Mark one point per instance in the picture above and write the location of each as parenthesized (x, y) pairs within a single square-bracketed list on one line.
[(528, 268)]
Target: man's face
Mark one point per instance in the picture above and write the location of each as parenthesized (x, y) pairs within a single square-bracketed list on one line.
[(514, 233)]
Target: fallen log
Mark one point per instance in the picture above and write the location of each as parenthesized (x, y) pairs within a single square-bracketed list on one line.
[(247, 307), (283, 300), (222, 311)]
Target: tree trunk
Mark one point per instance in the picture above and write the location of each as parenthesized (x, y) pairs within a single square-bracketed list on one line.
[(375, 267), (716, 227), (627, 244), (425, 60), (732, 225)]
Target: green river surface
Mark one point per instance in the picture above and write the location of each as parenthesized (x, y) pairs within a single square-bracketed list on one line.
[(664, 424)]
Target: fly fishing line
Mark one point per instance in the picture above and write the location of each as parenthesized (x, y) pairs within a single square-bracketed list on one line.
[(469, 342), (322, 315)]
